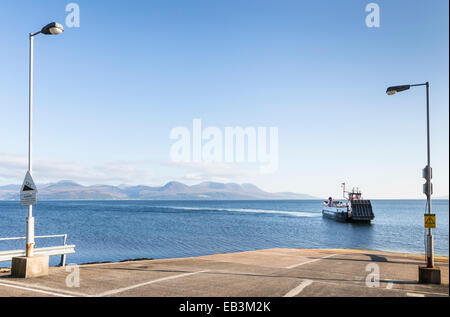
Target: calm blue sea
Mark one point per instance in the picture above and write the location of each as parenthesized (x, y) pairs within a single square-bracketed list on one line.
[(119, 230)]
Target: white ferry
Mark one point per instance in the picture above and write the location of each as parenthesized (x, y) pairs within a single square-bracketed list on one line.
[(355, 209)]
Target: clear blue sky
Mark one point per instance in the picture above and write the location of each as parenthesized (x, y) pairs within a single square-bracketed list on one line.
[(107, 94)]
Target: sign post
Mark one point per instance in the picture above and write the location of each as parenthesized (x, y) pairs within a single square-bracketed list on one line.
[(28, 177), (28, 197)]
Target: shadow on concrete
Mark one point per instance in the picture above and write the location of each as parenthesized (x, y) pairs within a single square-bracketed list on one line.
[(376, 258), (400, 282), (373, 258)]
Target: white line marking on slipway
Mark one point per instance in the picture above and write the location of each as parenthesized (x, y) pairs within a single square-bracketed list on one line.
[(298, 289), (414, 295), (44, 288), (307, 262), (34, 290), (124, 289)]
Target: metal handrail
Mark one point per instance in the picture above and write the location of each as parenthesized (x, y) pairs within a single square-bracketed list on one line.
[(64, 236), (23, 238)]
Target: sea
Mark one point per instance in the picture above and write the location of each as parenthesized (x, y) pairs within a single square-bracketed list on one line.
[(120, 230)]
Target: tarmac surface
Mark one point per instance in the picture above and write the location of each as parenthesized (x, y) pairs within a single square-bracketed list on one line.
[(263, 273)]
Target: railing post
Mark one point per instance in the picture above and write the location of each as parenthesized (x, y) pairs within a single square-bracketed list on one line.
[(63, 256)]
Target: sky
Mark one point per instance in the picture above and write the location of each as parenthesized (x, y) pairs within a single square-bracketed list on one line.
[(109, 92)]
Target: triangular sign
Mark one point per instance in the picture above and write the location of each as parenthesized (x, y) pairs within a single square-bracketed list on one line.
[(28, 184)]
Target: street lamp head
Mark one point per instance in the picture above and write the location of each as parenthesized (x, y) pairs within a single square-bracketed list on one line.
[(395, 89), (53, 28), (391, 92)]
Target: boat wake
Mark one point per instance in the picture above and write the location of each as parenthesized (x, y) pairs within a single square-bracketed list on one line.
[(266, 211)]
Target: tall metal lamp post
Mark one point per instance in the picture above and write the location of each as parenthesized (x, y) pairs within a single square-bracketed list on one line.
[(32, 265), (430, 274), (50, 29)]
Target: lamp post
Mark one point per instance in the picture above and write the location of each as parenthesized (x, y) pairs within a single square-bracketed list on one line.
[(50, 29), (428, 187)]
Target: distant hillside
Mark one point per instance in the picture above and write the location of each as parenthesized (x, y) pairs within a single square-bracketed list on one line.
[(68, 190)]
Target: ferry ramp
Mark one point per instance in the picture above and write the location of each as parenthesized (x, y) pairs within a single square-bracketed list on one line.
[(261, 273)]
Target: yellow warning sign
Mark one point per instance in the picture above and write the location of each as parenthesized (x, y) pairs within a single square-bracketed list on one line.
[(430, 221)]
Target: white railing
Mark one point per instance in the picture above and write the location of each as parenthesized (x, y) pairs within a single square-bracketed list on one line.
[(63, 250)]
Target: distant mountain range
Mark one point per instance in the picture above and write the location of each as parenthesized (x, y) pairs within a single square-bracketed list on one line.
[(68, 190)]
